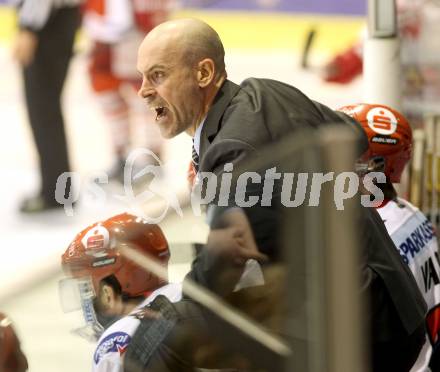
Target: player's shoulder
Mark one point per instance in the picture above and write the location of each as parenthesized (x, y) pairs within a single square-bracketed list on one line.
[(114, 341), (173, 291), (409, 207), (403, 203), (400, 212), (116, 338), (397, 206)]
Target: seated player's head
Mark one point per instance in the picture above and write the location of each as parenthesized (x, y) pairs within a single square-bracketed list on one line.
[(389, 139), (105, 283)]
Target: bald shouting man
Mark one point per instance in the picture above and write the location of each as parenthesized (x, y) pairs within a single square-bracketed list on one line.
[(185, 83)]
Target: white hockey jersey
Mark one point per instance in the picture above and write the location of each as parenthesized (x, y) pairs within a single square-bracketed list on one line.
[(108, 356), (113, 21), (415, 238)]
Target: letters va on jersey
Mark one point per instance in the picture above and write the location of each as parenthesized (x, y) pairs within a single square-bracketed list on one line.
[(416, 240)]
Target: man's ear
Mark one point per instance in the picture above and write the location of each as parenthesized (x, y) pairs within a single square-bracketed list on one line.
[(205, 72), (107, 297)]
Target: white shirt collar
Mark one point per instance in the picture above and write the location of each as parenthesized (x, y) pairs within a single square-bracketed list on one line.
[(197, 136)]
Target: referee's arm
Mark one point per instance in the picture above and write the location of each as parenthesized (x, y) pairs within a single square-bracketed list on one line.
[(33, 14)]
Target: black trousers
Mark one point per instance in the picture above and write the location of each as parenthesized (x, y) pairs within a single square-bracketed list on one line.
[(43, 84)]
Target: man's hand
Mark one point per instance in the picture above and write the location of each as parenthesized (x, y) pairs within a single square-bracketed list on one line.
[(24, 47), (236, 240)]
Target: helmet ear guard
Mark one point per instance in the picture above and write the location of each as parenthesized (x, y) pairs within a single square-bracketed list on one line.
[(376, 164), (373, 164), (389, 138), (77, 295)]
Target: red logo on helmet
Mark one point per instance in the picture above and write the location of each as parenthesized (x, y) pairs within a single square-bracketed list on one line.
[(95, 241), (382, 121), (97, 238)]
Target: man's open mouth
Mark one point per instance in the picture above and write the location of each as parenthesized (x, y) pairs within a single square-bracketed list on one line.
[(160, 112)]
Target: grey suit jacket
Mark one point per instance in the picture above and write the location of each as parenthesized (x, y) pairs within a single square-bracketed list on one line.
[(259, 111), (245, 117)]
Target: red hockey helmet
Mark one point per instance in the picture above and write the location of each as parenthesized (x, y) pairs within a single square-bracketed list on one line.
[(12, 358), (95, 253), (389, 136)]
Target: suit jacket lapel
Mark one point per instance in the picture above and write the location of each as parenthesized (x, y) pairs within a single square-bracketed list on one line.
[(215, 113)]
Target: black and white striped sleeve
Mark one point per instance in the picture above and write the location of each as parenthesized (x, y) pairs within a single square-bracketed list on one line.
[(33, 14)]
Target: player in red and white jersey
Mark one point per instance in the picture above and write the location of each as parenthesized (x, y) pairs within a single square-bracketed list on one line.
[(416, 22), (112, 292), (116, 28), (390, 145), (112, 344)]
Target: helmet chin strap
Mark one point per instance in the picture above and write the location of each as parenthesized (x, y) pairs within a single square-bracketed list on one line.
[(376, 164)]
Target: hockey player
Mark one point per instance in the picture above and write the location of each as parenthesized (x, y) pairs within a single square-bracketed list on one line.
[(415, 19), (116, 28), (114, 291), (12, 358), (390, 144)]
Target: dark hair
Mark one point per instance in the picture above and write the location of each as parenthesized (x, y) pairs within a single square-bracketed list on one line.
[(114, 283), (116, 286)]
